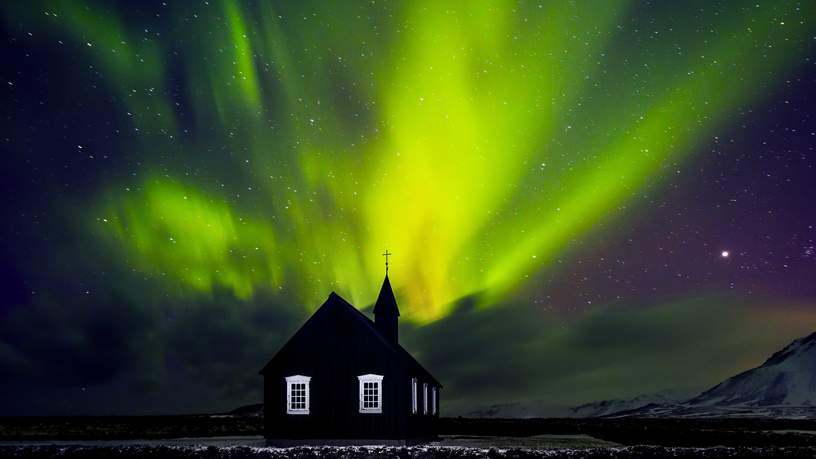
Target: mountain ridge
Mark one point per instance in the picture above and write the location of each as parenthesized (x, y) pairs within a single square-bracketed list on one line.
[(786, 378), (783, 386)]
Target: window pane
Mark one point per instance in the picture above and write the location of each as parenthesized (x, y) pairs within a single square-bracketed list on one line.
[(425, 398), (297, 395), (370, 393), (413, 395)]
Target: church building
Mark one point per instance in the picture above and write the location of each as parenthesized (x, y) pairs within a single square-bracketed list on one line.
[(344, 379)]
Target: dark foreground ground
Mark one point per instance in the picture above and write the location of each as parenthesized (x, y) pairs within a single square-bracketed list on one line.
[(240, 437), (630, 432), (427, 452)]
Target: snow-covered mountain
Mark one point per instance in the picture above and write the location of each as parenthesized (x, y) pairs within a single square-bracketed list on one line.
[(542, 409), (782, 387), (519, 410), (788, 378), (255, 410), (607, 407)]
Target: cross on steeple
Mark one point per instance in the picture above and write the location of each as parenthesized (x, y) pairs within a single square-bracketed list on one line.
[(386, 255)]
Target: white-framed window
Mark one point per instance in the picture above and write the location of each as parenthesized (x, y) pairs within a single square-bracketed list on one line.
[(424, 398), (433, 400), (414, 401), (297, 394), (370, 393)]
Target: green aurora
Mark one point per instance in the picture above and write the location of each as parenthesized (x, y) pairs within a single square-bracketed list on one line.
[(475, 140)]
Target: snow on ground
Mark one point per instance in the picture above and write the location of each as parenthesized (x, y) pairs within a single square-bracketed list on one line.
[(454, 441), (370, 452), (449, 447)]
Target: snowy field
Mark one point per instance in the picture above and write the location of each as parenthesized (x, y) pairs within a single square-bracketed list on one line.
[(466, 441), (370, 452), (454, 447)]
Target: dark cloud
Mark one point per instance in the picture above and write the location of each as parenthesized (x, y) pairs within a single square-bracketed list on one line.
[(139, 357), (76, 344), (520, 353), (226, 341), (111, 355)]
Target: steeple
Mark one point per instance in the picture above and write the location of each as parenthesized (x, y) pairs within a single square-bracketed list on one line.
[(386, 312)]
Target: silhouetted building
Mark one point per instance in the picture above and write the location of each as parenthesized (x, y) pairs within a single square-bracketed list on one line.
[(343, 379)]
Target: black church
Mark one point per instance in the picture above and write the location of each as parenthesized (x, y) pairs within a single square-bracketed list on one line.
[(343, 379)]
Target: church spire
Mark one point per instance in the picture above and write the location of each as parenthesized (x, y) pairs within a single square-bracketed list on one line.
[(386, 312)]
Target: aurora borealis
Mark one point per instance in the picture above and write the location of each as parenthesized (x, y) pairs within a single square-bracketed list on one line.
[(186, 182)]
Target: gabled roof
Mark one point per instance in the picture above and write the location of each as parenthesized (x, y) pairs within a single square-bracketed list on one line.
[(386, 303), (335, 303)]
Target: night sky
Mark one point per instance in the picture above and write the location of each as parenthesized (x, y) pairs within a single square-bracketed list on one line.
[(585, 200)]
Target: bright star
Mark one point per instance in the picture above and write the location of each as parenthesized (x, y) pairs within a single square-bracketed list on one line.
[(724, 254)]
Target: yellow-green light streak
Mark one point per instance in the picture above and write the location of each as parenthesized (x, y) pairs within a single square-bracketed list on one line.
[(198, 242)]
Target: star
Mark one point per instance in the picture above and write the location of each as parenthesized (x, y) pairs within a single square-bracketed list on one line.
[(725, 254)]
